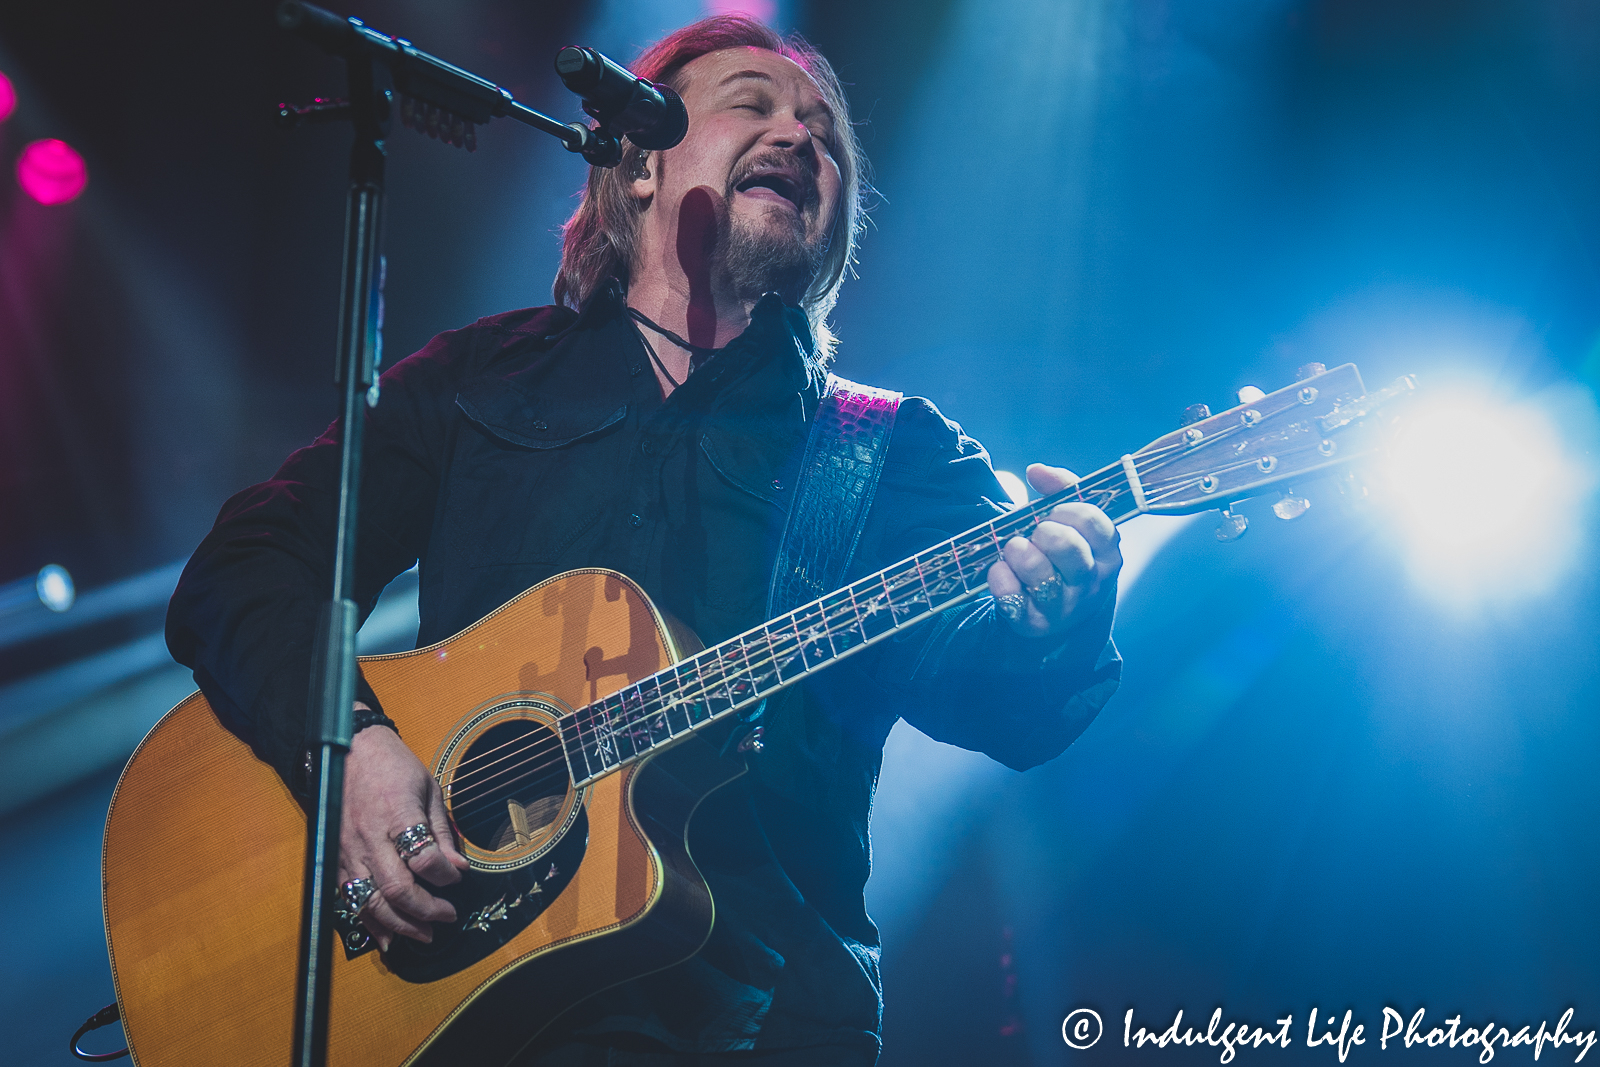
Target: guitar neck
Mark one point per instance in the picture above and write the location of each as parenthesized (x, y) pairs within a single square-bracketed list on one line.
[(1304, 428), (744, 670)]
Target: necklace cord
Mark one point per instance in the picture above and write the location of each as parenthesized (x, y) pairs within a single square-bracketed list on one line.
[(695, 350), (660, 366)]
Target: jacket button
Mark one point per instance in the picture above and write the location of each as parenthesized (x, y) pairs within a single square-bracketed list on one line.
[(635, 370), (648, 448), (540, 425), (635, 520), (777, 483)]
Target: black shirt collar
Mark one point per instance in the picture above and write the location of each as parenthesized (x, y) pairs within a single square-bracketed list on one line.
[(776, 329)]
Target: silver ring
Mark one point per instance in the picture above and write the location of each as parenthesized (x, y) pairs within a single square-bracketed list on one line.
[(357, 892), (1012, 606), (412, 840), (1046, 592)]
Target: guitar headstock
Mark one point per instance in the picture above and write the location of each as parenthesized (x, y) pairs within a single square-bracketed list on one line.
[(1324, 421)]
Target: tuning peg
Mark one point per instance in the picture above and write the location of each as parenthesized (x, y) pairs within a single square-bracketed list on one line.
[(1309, 370), (1231, 527), (1289, 507), (1194, 413), (1250, 394)]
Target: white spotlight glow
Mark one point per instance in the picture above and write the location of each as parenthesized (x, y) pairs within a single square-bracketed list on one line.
[(1487, 495), (1014, 487), (54, 587)]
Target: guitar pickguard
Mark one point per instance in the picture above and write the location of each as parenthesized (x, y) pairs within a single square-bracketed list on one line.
[(492, 908)]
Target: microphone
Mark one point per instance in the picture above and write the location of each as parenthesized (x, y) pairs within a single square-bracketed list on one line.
[(651, 116)]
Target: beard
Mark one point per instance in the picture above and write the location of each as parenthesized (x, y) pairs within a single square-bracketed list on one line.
[(763, 257), (770, 254)]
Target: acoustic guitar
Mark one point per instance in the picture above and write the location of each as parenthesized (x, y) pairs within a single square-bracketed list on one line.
[(574, 731)]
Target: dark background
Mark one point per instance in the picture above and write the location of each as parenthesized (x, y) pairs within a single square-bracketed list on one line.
[(1321, 786)]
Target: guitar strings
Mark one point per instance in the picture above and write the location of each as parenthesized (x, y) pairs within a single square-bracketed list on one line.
[(458, 777), (478, 758), (652, 708), (713, 672), (787, 649), (791, 649)]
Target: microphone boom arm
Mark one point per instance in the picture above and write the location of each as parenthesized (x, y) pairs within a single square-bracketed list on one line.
[(432, 80)]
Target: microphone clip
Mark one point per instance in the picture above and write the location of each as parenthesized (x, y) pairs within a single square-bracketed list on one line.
[(599, 146), (650, 115)]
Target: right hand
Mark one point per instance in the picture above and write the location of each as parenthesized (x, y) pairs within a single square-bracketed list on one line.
[(387, 789)]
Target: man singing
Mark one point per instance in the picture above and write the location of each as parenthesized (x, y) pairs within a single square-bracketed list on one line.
[(652, 422)]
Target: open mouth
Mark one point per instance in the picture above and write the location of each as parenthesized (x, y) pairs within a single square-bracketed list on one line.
[(776, 186)]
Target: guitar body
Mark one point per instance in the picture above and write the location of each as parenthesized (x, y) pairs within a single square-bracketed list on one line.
[(571, 891)]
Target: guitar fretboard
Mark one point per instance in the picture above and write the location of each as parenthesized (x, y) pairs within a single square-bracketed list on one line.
[(743, 670), (1220, 458)]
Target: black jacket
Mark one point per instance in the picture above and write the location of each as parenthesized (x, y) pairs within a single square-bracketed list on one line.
[(537, 441)]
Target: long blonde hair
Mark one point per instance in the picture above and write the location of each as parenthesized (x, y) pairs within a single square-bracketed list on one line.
[(598, 241)]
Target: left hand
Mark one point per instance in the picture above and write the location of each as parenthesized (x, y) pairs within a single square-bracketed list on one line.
[(1077, 544)]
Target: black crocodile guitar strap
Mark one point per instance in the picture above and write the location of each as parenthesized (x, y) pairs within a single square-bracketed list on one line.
[(838, 478)]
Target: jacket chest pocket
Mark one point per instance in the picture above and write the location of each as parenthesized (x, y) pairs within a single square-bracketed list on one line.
[(529, 474), (762, 469)]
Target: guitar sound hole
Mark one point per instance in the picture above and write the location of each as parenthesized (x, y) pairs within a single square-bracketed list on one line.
[(509, 787)]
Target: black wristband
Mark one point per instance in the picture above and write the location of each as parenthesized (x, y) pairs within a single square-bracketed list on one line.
[(361, 718)]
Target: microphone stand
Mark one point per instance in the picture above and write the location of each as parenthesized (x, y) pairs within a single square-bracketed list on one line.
[(448, 101)]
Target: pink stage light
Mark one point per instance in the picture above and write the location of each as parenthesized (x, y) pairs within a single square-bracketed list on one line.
[(51, 172), (8, 98), (760, 10)]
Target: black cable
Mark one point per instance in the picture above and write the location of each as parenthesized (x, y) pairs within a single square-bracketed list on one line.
[(104, 1017)]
